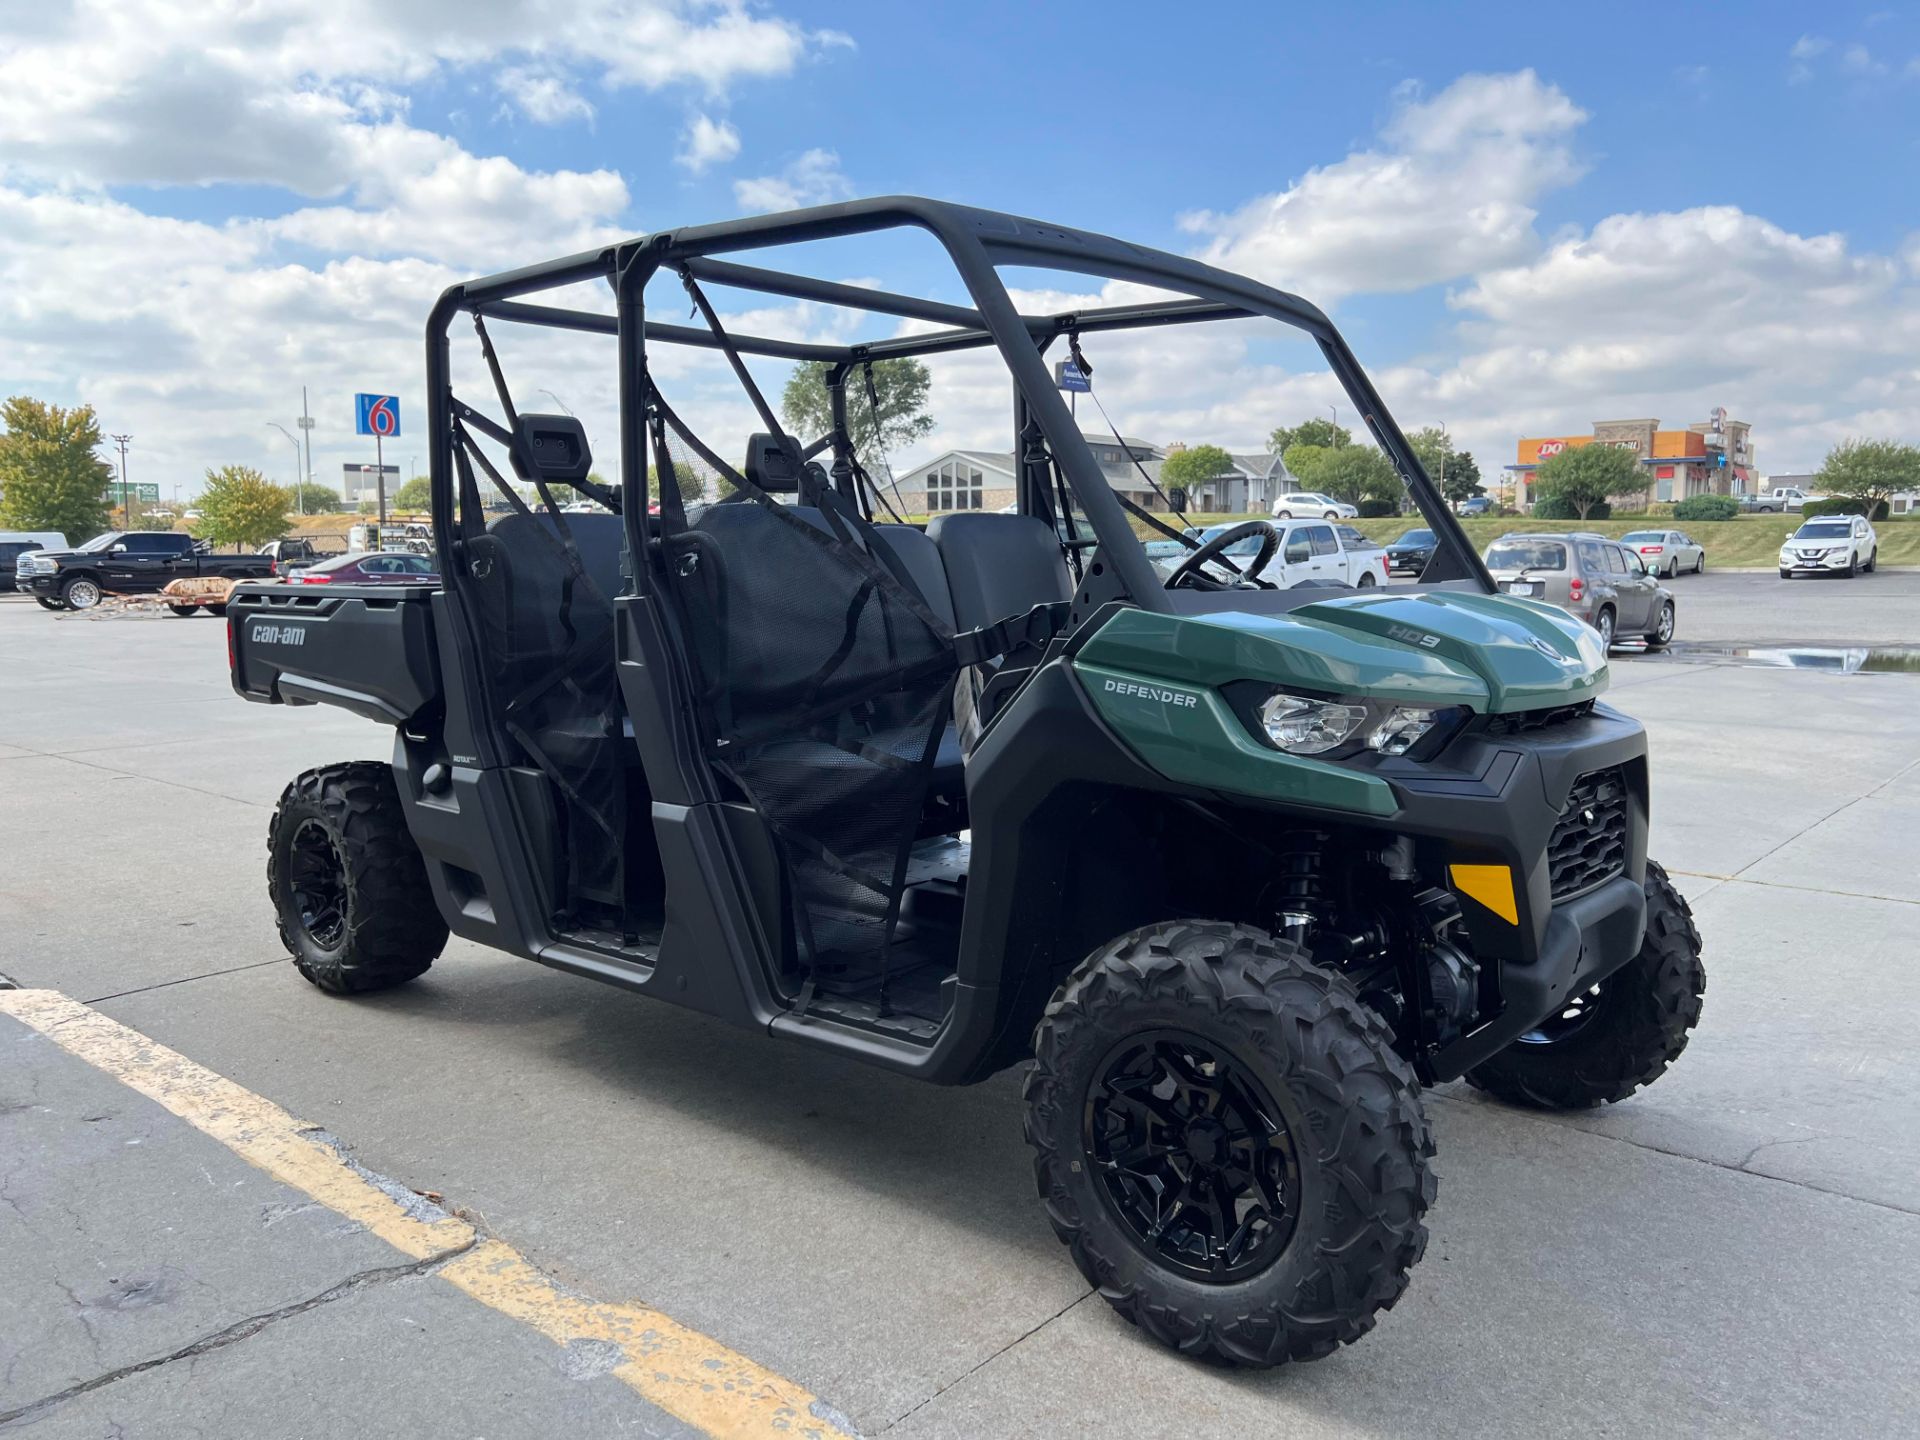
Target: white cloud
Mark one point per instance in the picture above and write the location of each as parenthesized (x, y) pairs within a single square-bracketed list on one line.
[(543, 96), (707, 142), (1808, 46), (202, 91), (813, 179), (1451, 190)]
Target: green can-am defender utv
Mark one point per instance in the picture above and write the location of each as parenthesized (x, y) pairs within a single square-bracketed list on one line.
[(1238, 868)]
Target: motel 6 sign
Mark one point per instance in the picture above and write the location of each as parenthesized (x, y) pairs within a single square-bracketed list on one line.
[(377, 415)]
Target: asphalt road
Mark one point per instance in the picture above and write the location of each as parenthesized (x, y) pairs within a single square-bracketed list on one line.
[(1759, 608), (1732, 1252)]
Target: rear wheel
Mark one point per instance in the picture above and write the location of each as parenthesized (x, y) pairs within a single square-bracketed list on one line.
[(1607, 1042), (1228, 1144), (1283, 514), (183, 610), (1366, 579), (1873, 560), (348, 886)]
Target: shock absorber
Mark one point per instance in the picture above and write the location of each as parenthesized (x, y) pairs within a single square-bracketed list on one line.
[(1302, 892)]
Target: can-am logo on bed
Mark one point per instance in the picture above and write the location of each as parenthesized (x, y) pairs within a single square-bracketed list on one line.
[(279, 634)]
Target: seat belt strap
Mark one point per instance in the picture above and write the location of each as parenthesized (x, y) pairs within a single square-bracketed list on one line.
[(1036, 628)]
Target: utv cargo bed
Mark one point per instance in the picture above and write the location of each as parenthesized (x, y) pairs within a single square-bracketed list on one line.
[(366, 648)]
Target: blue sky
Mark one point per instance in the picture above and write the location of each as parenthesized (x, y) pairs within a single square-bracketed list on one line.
[(1526, 217)]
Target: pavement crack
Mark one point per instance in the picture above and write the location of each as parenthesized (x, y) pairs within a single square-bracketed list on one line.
[(242, 1330), (185, 980), (985, 1361)]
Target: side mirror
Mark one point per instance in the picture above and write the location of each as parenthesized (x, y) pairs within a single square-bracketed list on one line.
[(116, 549), (1297, 551)]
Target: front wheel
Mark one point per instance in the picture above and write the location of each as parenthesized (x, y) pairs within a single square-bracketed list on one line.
[(347, 883), (80, 593), (1228, 1144), (1661, 635), (1603, 622), (1606, 1042), (1853, 566), (1786, 574), (47, 602)]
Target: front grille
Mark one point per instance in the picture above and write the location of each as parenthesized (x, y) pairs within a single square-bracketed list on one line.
[(1589, 844), (1527, 722)]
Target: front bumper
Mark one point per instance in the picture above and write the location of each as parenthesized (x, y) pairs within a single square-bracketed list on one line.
[(38, 584), (1838, 560)]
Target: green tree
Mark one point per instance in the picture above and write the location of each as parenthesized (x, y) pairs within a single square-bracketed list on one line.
[(1454, 471), (313, 498), (1869, 470), (240, 506), (1359, 472), (901, 387), (1192, 469), (1306, 462), (1581, 477), (1323, 433), (416, 494), (50, 478)]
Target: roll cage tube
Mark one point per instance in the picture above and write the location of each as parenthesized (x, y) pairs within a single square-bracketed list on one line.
[(978, 242)]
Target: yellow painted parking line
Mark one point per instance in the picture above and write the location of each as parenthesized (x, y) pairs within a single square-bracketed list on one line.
[(690, 1376)]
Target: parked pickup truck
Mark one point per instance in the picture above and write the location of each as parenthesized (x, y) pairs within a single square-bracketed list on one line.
[(134, 562), (297, 550), (1777, 501), (1310, 550)]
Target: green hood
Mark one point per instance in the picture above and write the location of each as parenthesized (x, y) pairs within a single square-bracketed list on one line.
[(1493, 653)]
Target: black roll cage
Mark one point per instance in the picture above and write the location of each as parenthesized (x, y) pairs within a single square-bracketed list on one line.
[(978, 242)]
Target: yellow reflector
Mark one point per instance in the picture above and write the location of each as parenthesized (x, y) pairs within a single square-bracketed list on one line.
[(1491, 885)]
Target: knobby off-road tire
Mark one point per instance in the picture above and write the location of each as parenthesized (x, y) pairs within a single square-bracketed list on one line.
[(1627, 1035), (1358, 1135), (348, 886)]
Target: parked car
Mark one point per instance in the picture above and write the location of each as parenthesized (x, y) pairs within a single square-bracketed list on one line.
[(127, 562), (1667, 552), (15, 543), (1310, 504), (1830, 545), (380, 567), (1780, 500), (1588, 575), (1476, 505), (1410, 553)]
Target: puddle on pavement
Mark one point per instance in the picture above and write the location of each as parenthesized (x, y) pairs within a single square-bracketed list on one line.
[(1833, 659)]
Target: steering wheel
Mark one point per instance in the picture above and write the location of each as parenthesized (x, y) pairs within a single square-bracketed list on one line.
[(1189, 576)]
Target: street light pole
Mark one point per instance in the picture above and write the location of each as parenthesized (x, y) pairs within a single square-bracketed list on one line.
[(299, 498), (306, 431), (126, 503)]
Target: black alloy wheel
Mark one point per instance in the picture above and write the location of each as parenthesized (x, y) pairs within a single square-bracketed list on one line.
[(1193, 1156), (316, 881)]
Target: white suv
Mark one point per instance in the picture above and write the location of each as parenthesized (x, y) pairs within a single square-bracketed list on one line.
[(1829, 544), (1310, 505)]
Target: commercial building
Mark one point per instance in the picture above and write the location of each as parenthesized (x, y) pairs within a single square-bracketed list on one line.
[(1714, 457), (984, 479)]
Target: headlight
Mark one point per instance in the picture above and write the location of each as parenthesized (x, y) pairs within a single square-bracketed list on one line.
[(1405, 727), (1319, 725), (1302, 725)]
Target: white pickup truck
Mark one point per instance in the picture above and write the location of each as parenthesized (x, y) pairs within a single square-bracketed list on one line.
[(1780, 500), (1309, 550)]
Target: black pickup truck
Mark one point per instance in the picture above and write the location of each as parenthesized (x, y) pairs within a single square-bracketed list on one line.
[(132, 562)]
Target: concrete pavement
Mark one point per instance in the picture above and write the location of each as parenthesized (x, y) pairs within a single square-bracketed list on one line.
[(1729, 1253)]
